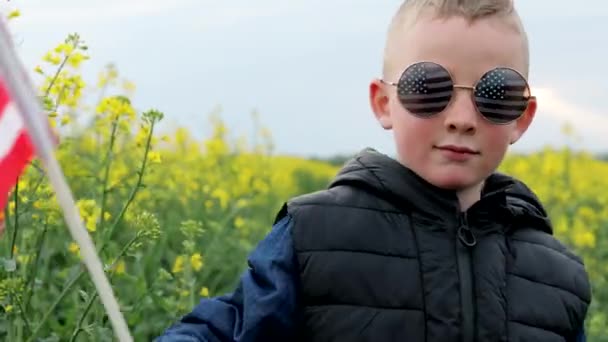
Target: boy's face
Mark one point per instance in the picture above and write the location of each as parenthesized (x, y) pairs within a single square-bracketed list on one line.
[(467, 51)]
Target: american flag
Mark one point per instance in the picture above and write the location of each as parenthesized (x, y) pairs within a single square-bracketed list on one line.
[(16, 148)]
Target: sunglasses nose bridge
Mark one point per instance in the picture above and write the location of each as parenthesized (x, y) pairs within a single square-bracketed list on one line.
[(465, 87), (460, 86)]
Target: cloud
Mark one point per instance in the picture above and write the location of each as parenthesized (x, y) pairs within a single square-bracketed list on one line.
[(234, 13), (585, 120), (43, 14), (311, 16)]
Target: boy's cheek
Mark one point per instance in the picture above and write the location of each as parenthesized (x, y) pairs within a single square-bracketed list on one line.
[(496, 138)]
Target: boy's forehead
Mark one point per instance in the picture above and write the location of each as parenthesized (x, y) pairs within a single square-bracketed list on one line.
[(471, 47)]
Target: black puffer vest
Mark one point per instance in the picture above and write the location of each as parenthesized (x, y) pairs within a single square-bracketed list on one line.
[(385, 256)]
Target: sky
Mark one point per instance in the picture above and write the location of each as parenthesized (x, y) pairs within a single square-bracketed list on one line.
[(304, 65)]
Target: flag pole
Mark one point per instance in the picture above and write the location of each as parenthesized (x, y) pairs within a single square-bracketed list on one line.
[(29, 108)]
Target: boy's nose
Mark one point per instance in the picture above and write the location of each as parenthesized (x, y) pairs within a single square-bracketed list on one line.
[(461, 116)]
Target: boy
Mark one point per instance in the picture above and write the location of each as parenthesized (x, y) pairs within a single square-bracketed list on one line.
[(433, 246)]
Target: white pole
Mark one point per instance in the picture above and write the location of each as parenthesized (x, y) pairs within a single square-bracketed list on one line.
[(26, 101)]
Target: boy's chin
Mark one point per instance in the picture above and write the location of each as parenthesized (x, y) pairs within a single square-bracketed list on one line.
[(457, 181)]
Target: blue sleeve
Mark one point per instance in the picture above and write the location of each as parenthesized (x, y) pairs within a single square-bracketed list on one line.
[(581, 336), (262, 308)]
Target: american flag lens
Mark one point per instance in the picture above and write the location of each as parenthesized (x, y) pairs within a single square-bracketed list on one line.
[(501, 95), (425, 89)]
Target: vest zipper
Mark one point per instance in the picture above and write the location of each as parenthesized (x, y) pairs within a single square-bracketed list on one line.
[(467, 241)]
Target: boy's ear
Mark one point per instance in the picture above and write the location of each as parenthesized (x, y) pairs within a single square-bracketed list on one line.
[(523, 123), (380, 102)]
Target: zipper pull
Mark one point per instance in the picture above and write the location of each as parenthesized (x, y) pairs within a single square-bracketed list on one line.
[(465, 234)]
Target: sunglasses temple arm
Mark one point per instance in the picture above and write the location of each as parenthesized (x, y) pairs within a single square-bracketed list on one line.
[(389, 83)]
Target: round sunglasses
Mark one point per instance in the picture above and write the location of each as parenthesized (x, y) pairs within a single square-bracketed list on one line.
[(425, 89)]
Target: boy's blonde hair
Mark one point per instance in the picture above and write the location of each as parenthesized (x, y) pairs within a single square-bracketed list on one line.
[(471, 10)]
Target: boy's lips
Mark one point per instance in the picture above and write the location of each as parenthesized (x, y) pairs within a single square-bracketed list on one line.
[(457, 149), (455, 153)]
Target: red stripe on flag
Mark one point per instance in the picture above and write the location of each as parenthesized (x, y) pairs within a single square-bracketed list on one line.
[(18, 156), (4, 98), (13, 165)]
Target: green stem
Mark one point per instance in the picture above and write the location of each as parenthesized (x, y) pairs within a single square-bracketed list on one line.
[(8, 217), (140, 176), (123, 180), (16, 221), (190, 282), (89, 304), (32, 275), (50, 311), (24, 208), (24, 317), (107, 173), (11, 333), (59, 96)]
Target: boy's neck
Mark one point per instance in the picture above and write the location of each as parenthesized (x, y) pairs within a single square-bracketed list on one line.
[(468, 196)]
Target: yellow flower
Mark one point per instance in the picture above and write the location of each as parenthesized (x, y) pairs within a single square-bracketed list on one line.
[(242, 203), (584, 239), (154, 157), (204, 291), (128, 86), (14, 14), (61, 47), (182, 136), (120, 267), (178, 265), (37, 204), (23, 183), (222, 196), (567, 129), (586, 214), (11, 207), (239, 222), (561, 225), (65, 120), (76, 59), (23, 259), (73, 248), (261, 186), (208, 204), (216, 147), (107, 77), (196, 260), (141, 137), (116, 108), (89, 212), (52, 58)]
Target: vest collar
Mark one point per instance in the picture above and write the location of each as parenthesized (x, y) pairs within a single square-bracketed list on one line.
[(387, 178)]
